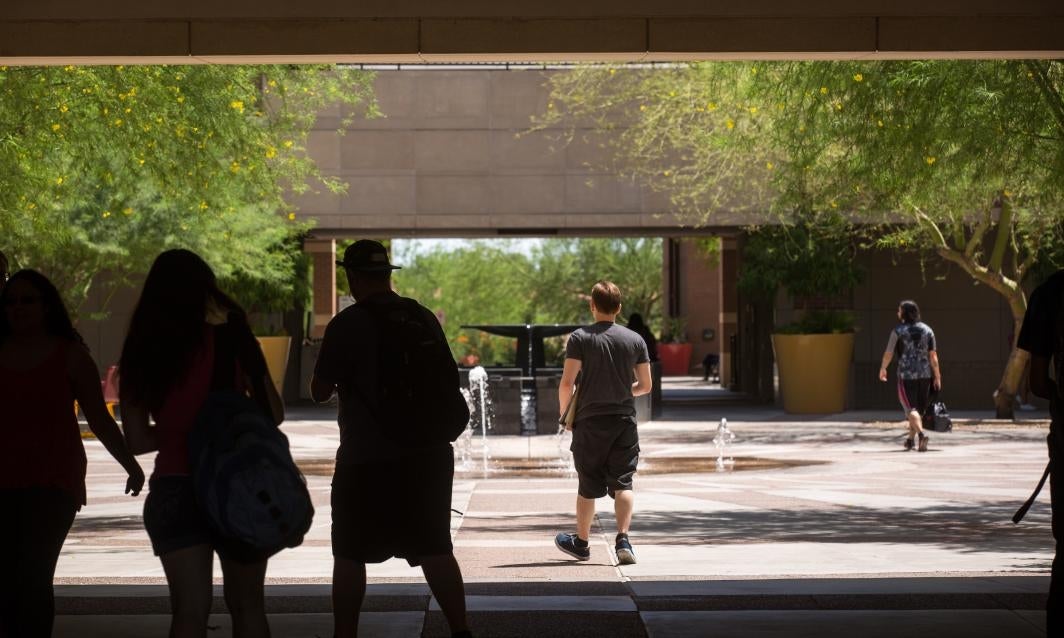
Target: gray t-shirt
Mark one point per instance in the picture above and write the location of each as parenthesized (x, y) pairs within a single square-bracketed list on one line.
[(608, 354)]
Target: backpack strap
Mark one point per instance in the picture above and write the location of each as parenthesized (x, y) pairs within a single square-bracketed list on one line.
[(1020, 513), (234, 343)]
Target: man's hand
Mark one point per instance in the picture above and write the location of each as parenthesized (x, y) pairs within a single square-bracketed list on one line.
[(883, 374)]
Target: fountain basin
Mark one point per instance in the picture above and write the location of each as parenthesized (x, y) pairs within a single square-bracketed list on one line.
[(554, 468)]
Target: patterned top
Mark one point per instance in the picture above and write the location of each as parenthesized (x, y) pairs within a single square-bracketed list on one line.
[(912, 343)]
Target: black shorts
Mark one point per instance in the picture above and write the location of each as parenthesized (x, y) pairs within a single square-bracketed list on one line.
[(396, 507), (914, 394), (605, 452), (175, 521)]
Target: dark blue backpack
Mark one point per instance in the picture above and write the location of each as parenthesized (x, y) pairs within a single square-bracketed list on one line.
[(243, 475)]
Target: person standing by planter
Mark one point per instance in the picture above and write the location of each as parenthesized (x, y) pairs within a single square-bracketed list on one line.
[(614, 368), (918, 371)]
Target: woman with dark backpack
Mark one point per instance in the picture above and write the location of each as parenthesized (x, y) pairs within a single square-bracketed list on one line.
[(184, 332)]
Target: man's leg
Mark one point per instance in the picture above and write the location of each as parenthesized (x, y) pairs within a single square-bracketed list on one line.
[(445, 580), (585, 512), (1055, 602), (623, 502), (349, 589)]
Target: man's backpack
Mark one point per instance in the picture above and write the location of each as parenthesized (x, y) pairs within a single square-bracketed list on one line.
[(243, 474), (418, 401)]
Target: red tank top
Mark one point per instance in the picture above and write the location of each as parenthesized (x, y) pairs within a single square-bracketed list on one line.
[(178, 413), (41, 444)]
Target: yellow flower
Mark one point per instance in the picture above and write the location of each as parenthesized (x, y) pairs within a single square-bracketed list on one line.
[(667, 173), (550, 105), (271, 152), (63, 108), (672, 93), (180, 99), (838, 106), (612, 72), (642, 107), (234, 167), (1007, 193), (291, 217), (272, 83), (56, 127), (753, 71), (106, 214), (237, 105), (118, 122), (140, 162), (753, 110), (930, 159), (68, 68), (879, 123), (712, 106), (858, 78), (288, 143), (59, 181), (127, 211), (834, 204), (730, 123), (823, 90), (769, 165)]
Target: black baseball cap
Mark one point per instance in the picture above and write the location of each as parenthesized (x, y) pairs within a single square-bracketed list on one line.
[(368, 256)]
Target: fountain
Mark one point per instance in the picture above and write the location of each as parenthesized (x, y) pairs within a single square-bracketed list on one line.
[(724, 438), (479, 415)]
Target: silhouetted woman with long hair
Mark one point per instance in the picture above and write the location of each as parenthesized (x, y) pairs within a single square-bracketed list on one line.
[(181, 325), (44, 368)]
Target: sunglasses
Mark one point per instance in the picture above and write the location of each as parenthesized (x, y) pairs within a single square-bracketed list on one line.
[(25, 300)]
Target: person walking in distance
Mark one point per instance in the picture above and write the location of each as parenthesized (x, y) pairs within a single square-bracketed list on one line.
[(614, 368), (1042, 335), (918, 371), (389, 498)]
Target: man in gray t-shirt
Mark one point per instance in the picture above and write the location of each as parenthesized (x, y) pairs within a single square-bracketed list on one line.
[(614, 368)]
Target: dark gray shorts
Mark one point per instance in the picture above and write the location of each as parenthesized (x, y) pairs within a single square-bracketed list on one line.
[(605, 452), (394, 507)]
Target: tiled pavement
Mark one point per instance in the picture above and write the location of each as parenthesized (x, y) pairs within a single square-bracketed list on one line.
[(871, 539)]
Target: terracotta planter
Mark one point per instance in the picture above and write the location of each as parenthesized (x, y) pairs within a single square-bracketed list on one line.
[(275, 349), (814, 371), (675, 358)]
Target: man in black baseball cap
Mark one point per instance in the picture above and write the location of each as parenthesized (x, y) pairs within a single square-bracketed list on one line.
[(388, 500), (366, 255)]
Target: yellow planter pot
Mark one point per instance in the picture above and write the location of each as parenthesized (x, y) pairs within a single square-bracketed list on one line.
[(275, 349), (814, 371)]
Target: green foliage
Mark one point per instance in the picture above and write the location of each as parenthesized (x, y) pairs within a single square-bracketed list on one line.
[(956, 158), (820, 322), (674, 330), (101, 168), (813, 257), (489, 282)]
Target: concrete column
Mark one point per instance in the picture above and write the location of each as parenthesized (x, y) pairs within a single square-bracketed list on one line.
[(323, 255), (729, 305)]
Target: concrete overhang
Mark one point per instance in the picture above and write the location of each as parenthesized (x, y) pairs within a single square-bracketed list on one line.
[(209, 31)]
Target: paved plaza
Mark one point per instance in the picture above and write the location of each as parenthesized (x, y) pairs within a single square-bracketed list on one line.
[(843, 533)]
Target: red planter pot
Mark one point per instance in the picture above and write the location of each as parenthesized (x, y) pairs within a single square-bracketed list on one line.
[(675, 358)]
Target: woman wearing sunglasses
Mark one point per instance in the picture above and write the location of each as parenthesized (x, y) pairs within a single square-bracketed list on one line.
[(44, 368)]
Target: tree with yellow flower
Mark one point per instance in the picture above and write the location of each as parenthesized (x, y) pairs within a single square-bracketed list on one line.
[(101, 168)]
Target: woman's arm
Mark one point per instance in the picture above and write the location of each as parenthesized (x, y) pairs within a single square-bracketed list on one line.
[(933, 357), (887, 357), (86, 385)]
